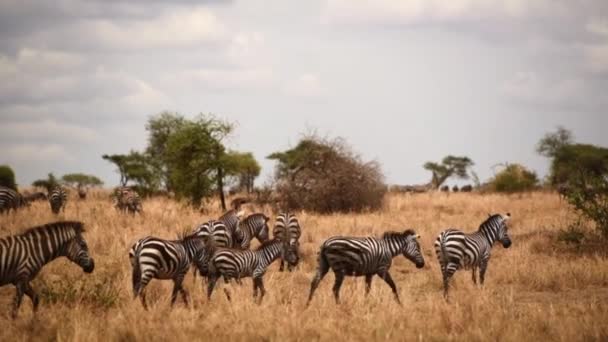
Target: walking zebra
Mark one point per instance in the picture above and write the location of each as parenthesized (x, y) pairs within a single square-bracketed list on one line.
[(127, 200), (58, 198), (11, 199), (163, 259), (236, 264), (456, 249), (22, 256), (287, 228), (231, 219), (255, 225), (365, 256), (218, 234)]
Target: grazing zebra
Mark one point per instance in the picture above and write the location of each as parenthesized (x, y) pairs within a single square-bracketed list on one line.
[(58, 198), (455, 249), (365, 256), (255, 225), (231, 219), (11, 199), (163, 259), (287, 228), (22, 256), (127, 200), (232, 263), (218, 233)]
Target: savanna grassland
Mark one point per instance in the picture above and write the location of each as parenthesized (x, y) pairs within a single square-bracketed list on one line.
[(539, 289)]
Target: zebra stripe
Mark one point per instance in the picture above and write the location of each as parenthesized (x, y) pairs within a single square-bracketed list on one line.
[(127, 200), (365, 256), (154, 258), (58, 199), (215, 233), (236, 264), (287, 228), (255, 225), (11, 199), (231, 219), (456, 249), (22, 256)]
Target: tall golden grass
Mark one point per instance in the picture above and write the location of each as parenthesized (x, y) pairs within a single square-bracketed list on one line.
[(536, 290)]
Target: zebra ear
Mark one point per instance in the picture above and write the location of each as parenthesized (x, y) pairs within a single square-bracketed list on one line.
[(508, 216), (240, 214), (417, 236)]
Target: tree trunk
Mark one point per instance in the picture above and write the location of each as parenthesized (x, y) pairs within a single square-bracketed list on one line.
[(220, 186)]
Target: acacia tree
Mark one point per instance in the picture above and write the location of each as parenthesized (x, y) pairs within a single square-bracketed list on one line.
[(136, 167), (449, 166), (49, 183), (160, 127), (551, 143), (81, 181), (243, 169)]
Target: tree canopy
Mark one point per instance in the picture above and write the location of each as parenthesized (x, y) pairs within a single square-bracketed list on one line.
[(551, 143), (7, 177), (81, 180), (514, 178), (137, 168), (49, 183), (450, 166)]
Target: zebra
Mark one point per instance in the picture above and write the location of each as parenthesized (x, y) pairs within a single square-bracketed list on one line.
[(456, 249), (365, 256), (152, 257), (287, 228), (218, 233), (58, 199), (11, 199), (22, 256), (231, 220), (235, 264), (127, 200), (255, 225)]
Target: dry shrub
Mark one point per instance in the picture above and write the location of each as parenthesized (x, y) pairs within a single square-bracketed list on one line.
[(326, 176)]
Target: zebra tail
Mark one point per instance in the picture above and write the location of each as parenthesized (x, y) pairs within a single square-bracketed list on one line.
[(443, 255), (136, 276), (323, 262)]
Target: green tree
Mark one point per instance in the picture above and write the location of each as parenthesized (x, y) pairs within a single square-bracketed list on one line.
[(514, 178), (572, 160), (81, 180), (588, 194), (7, 177), (551, 143), (243, 168), (449, 166), (137, 168), (49, 183), (197, 159), (160, 127)]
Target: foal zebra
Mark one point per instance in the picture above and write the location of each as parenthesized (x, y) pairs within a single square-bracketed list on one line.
[(255, 225), (162, 259), (236, 264), (127, 200), (11, 199), (58, 198), (22, 256), (287, 228), (365, 256), (455, 249)]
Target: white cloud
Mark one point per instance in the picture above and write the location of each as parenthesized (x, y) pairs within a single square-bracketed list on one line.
[(47, 130), (306, 85), (35, 153)]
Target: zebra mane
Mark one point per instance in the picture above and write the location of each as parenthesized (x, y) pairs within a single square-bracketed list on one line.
[(490, 219), (266, 243), (76, 226), (393, 234), (266, 218), (186, 235)]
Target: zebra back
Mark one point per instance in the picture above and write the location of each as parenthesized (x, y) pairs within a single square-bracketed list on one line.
[(287, 228), (10, 199), (58, 199), (255, 225)]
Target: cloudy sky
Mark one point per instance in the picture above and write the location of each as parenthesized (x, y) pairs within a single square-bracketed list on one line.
[(404, 81)]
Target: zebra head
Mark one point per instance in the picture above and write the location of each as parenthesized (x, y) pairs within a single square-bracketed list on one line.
[(263, 234), (411, 250), (290, 253), (78, 252), (503, 234), (495, 229)]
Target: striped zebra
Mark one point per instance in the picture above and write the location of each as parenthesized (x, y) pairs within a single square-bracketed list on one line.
[(287, 228), (58, 199), (456, 249), (11, 199), (255, 225), (235, 264), (219, 234), (365, 256), (22, 256), (127, 200), (232, 219), (154, 258)]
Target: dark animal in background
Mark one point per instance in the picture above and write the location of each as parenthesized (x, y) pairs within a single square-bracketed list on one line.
[(455, 188), (466, 188), (445, 188)]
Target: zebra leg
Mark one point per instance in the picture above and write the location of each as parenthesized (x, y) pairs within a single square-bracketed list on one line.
[(211, 280), (226, 292), (142, 296), (474, 273), (29, 291), (321, 272), (177, 287), (18, 298), (368, 283), (337, 285), (483, 267), (260, 284), (389, 280), (449, 271), (281, 266)]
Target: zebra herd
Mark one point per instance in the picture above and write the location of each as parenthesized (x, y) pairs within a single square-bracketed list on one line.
[(220, 249), (126, 199)]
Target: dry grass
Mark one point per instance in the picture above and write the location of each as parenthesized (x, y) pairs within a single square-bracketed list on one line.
[(534, 291)]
